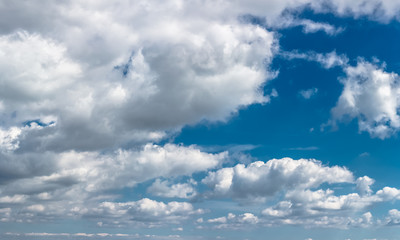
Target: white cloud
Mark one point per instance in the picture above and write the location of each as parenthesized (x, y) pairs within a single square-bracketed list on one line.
[(307, 94), (96, 172), (393, 217), (364, 183), (217, 220), (248, 183), (322, 208), (282, 209), (137, 87), (233, 221), (88, 79), (327, 60), (303, 190), (380, 10), (166, 189), (78, 181), (13, 199), (372, 96), (103, 107), (144, 212), (309, 26), (9, 139)]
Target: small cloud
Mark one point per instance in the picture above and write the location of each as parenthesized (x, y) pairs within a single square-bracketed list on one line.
[(364, 154), (308, 25), (307, 94), (311, 148)]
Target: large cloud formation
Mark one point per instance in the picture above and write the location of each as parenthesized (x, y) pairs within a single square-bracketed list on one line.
[(89, 87)]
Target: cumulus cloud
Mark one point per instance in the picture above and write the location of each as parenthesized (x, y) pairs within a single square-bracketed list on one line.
[(77, 181), (166, 189), (144, 212), (87, 89), (322, 208), (233, 221), (393, 217), (257, 181), (371, 95), (122, 93), (119, 84), (304, 191), (364, 184)]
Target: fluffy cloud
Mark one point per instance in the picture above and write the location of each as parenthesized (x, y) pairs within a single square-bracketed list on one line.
[(9, 139), (257, 181), (372, 96), (119, 84), (393, 217), (233, 221), (364, 184), (303, 193), (86, 87), (322, 208), (144, 212), (166, 189), (77, 181), (118, 75)]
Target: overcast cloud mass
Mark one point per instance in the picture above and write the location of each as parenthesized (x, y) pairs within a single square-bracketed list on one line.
[(199, 119)]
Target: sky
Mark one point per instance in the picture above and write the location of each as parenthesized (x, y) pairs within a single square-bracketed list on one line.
[(200, 119)]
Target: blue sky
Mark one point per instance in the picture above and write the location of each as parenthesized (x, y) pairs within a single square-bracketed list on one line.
[(200, 120)]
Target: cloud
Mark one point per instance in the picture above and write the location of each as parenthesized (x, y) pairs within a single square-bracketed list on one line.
[(307, 94), (118, 84), (322, 208), (311, 148), (232, 221), (327, 60), (120, 77), (309, 26), (248, 183), (393, 217), (144, 212), (89, 88), (383, 11), (78, 181), (83, 235), (166, 189), (249, 220), (303, 195), (370, 95), (364, 183), (9, 139)]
